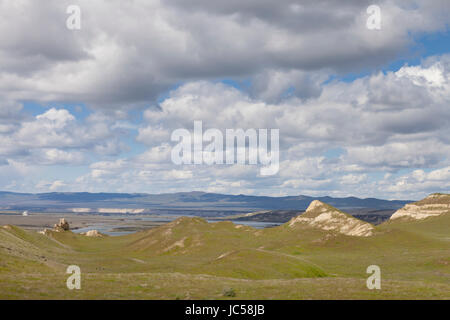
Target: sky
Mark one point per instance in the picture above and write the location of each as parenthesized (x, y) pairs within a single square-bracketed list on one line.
[(360, 111)]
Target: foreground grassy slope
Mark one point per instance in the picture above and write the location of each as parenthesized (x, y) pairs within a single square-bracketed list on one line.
[(190, 258)]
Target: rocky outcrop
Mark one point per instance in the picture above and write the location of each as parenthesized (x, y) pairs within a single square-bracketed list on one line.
[(63, 225), (92, 233), (323, 216), (432, 206)]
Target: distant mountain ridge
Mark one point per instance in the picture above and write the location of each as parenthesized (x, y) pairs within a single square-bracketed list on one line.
[(65, 201)]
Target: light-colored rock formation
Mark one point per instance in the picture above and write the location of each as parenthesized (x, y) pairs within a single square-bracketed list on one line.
[(45, 232), (92, 233), (108, 210), (432, 206), (81, 210), (322, 216), (63, 225), (123, 211)]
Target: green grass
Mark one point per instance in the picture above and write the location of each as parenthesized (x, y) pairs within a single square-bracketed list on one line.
[(192, 259)]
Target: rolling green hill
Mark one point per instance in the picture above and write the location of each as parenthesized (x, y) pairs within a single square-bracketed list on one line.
[(320, 257)]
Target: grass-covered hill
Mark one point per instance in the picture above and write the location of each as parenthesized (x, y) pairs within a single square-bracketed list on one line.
[(191, 258), (434, 205)]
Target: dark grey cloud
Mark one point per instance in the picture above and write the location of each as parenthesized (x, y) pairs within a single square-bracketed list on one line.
[(34, 37), (128, 55), (300, 16)]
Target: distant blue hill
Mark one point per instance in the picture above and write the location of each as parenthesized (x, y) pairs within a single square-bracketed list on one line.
[(61, 201)]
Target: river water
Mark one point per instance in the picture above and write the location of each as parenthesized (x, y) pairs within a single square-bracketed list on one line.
[(111, 229)]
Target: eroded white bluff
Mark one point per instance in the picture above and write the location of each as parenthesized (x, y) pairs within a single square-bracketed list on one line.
[(432, 206), (325, 217)]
